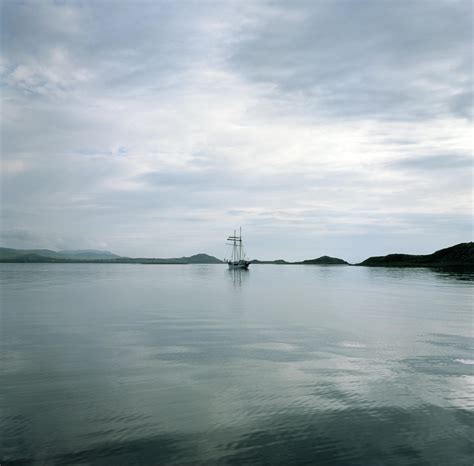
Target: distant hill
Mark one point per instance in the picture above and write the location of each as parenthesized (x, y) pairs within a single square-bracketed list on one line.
[(94, 256), (202, 259), (48, 255), (459, 255), (324, 260), (277, 261), (196, 259), (8, 253)]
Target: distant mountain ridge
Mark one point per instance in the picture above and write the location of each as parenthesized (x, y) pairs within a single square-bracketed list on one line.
[(459, 255), (94, 256), (323, 260), (9, 253), (200, 258)]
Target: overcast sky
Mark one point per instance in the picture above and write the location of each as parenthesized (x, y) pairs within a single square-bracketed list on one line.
[(154, 129)]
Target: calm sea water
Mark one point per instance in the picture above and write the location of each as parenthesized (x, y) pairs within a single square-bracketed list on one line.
[(147, 364)]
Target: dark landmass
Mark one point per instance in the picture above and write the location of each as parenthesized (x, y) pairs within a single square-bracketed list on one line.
[(92, 256), (324, 260), (36, 254), (278, 261), (196, 259), (461, 255)]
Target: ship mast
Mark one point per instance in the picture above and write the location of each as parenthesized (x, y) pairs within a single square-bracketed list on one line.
[(236, 246), (240, 244), (237, 261)]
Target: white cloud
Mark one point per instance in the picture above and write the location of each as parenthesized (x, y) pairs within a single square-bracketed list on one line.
[(146, 124)]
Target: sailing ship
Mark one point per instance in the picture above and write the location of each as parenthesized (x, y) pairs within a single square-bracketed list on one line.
[(237, 260)]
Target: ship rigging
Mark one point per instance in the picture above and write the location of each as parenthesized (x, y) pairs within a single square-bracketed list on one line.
[(237, 260)]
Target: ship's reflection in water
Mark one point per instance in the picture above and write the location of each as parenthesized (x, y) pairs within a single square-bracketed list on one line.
[(238, 276)]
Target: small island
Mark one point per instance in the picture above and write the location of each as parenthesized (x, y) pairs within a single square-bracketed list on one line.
[(323, 260)]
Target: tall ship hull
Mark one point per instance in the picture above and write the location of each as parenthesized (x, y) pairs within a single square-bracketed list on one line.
[(238, 265), (237, 260)]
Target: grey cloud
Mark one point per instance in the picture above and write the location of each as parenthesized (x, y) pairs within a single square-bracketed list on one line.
[(434, 162), (462, 104), (203, 179), (19, 235), (220, 179), (392, 60), (400, 142), (434, 223), (25, 239), (102, 46), (104, 101)]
